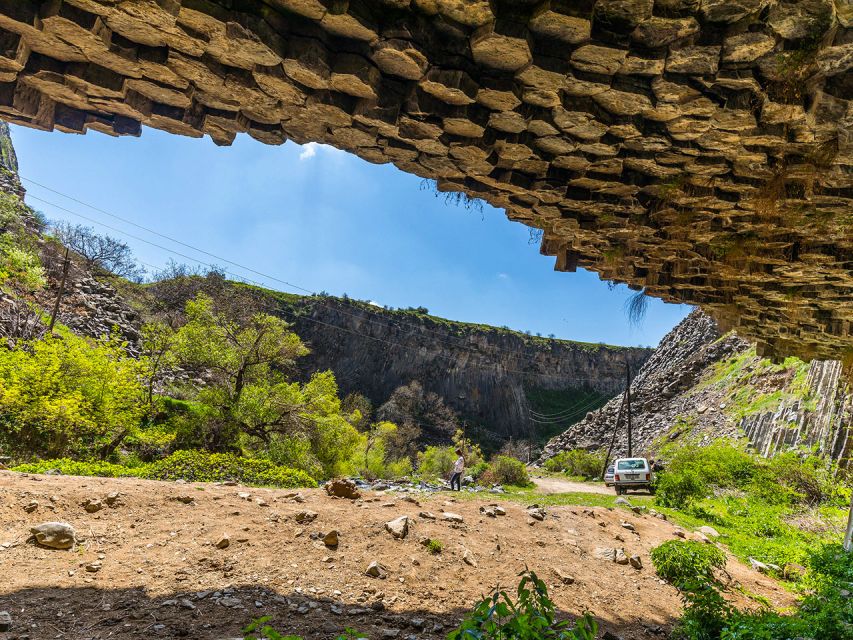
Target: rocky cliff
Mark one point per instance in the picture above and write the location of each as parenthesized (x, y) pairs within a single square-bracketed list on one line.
[(492, 377), (702, 383)]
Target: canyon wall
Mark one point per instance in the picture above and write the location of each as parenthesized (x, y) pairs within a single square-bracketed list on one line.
[(705, 384)]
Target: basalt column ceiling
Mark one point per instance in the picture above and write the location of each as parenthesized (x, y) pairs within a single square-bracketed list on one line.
[(700, 149)]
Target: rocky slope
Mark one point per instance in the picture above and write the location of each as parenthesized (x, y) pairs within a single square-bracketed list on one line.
[(167, 560), (702, 383)]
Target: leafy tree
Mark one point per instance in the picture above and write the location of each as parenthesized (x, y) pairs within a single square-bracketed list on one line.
[(99, 251), (68, 396), (243, 363), (412, 405)]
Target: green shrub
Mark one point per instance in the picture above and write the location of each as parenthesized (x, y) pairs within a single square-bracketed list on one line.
[(436, 462), (683, 562), (678, 489), (434, 546), (68, 467), (528, 616), (476, 471), (506, 470), (578, 462), (198, 466)]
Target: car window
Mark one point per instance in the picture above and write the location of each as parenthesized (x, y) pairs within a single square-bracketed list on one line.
[(632, 465)]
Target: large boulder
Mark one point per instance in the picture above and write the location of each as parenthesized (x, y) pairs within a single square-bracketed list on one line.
[(54, 535), (343, 488)]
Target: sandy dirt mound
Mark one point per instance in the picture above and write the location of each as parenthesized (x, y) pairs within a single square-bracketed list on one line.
[(172, 560)]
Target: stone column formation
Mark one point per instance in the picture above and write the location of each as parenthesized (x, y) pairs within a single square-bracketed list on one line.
[(700, 149)]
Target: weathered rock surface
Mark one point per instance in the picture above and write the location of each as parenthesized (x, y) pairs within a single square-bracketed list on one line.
[(643, 144), (54, 535), (398, 527), (343, 488), (682, 391)]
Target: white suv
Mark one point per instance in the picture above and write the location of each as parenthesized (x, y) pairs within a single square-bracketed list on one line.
[(632, 473)]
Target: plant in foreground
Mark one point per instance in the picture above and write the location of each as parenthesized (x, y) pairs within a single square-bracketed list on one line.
[(530, 616), (266, 632)]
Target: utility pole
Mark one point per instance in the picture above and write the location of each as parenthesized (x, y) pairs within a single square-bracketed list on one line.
[(53, 315), (628, 408), (613, 437)]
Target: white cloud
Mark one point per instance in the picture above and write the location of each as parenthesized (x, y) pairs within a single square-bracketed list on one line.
[(503, 276), (309, 151)]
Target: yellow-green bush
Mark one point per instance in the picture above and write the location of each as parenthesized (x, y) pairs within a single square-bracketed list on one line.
[(198, 466)]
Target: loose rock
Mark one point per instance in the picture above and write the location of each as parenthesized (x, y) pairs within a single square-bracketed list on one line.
[(224, 542), (54, 535), (343, 488), (398, 527), (376, 570)]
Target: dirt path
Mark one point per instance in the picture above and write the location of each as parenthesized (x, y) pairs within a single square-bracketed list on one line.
[(561, 485), (148, 565)]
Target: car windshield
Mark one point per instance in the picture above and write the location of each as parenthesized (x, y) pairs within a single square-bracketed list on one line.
[(632, 465)]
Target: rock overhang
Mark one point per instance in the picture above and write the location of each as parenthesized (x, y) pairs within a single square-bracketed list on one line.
[(701, 150)]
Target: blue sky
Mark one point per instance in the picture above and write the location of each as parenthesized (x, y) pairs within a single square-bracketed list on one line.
[(327, 221)]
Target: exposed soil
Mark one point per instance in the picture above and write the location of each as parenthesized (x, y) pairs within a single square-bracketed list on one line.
[(560, 485), (161, 575)]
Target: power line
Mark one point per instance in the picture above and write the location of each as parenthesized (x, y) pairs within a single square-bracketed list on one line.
[(419, 328), (396, 322), (305, 317), (560, 414)]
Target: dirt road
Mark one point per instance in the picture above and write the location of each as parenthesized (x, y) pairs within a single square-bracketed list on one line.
[(560, 485), (147, 564)]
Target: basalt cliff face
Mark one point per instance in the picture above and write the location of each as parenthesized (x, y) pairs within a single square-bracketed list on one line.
[(486, 374), (706, 384)]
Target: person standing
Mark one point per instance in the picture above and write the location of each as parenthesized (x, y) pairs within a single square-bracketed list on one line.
[(458, 468)]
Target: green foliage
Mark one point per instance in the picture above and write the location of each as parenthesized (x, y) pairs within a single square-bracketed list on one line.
[(823, 613), (571, 403), (198, 466), (508, 471), (678, 489), (20, 267), (578, 462), (687, 561), (528, 616), (68, 467), (436, 462), (477, 470), (68, 396), (434, 546)]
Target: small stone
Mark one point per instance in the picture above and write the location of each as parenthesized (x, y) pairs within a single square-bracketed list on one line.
[(376, 570), (184, 499), (112, 499), (468, 558), (537, 513), (623, 501), (628, 526), (93, 567), (93, 505), (426, 515), (224, 542), (331, 538), (398, 527), (636, 562), (54, 535), (305, 517), (31, 506), (759, 566), (564, 577), (447, 516), (605, 553), (5, 621), (711, 532), (701, 537), (620, 557), (500, 511), (679, 533)]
